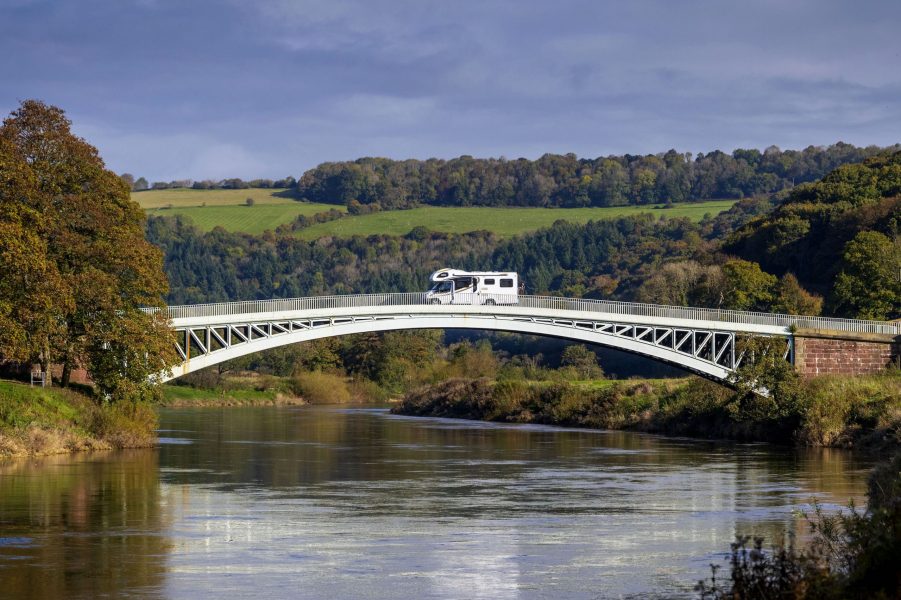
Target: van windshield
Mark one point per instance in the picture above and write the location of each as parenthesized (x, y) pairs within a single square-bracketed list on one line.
[(444, 286)]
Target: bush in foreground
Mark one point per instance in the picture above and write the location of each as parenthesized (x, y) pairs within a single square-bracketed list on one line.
[(852, 555)]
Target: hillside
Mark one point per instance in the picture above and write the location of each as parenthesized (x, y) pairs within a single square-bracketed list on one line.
[(839, 236), (271, 209), (638, 256), (228, 208)]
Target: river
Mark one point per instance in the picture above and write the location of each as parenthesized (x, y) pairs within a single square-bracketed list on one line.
[(333, 502)]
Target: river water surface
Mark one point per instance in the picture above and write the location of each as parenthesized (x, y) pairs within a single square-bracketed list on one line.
[(331, 502)]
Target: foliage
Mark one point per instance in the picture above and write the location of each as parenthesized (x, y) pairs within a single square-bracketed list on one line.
[(93, 249), (808, 233), (684, 283), (792, 299), (747, 287), (767, 386), (567, 181), (869, 285), (517, 401), (582, 361), (317, 387), (33, 294), (851, 555)]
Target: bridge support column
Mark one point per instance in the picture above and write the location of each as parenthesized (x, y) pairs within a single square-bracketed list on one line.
[(828, 352)]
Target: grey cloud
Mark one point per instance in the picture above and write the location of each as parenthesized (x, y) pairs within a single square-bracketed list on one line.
[(278, 86)]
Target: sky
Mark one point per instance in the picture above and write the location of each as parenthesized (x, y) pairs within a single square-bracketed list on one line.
[(208, 89)]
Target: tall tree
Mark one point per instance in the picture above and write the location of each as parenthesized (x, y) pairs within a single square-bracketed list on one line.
[(33, 296), (93, 237), (869, 285)]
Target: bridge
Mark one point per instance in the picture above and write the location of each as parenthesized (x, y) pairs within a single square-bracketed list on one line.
[(703, 341)]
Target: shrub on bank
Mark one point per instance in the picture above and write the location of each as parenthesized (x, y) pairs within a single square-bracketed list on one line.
[(834, 411), (839, 410), (317, 387)]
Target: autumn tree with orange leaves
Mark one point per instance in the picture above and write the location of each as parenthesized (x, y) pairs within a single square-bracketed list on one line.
[(75, 269)]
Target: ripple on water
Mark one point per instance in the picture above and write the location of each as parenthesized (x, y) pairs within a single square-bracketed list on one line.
[(17, 542), (174, 441)]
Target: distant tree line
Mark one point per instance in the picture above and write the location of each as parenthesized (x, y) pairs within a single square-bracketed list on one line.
[(568, 181), (140, 184)]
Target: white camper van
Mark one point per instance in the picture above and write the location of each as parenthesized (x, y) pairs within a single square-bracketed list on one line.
[(450, 286)]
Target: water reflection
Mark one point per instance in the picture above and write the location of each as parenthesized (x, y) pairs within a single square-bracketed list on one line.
[(85, 527), (318, 502)]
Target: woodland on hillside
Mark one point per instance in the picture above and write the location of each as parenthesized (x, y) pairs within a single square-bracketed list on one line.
[(830, 246), (568, 181)]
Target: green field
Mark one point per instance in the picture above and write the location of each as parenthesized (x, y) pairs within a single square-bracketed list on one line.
[(227, 208), (503, 221), (182, 198)]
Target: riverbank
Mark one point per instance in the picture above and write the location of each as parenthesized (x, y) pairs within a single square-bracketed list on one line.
[(847, 412), (254, 389), (38, 421), (188, 397)]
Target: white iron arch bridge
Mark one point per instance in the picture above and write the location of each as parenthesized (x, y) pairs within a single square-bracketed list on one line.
[(696, 339)]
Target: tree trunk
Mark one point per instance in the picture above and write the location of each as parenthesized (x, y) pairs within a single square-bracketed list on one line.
[(67, 372), (45, 363)]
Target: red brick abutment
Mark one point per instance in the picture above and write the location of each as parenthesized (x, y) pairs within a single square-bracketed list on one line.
[(828, 352)]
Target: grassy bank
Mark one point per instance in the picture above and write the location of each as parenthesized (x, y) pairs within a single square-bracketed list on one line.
[(40, 421), (829, 411), (254, 389), (178, 396)]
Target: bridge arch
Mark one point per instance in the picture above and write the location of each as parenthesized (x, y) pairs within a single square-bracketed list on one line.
[(709, 353), (696, 339)]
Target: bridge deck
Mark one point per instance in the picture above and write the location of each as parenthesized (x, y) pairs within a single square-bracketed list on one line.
[(751, 322)]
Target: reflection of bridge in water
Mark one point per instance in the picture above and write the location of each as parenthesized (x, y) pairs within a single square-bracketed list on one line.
[(696, 339)]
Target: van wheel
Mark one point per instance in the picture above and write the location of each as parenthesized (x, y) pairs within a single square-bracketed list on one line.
[(434, 301), (490, 302)]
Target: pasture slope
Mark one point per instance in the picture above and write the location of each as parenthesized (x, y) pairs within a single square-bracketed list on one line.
[(271, 208)]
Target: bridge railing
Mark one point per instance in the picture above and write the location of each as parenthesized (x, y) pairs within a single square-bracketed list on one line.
[(606, 307)]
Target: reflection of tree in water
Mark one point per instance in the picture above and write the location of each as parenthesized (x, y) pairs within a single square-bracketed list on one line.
[(85, 526)]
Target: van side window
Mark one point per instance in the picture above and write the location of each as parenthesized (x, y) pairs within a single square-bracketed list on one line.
[(489, 282), (507, 283)]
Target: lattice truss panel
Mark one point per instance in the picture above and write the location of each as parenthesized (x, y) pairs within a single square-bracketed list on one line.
[(714, 347)]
